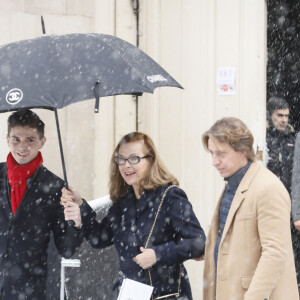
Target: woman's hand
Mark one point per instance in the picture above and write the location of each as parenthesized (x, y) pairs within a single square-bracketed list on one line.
[(146, 259), (72, 212), (71, 200), (70, 195)]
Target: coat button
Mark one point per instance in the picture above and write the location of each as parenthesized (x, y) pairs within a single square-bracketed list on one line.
[(9, 250)]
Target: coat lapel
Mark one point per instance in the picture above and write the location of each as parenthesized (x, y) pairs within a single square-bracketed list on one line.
[(127, 204), (209, 263), (132, 208), (148, 199), (239, 196), (214, 226), (5, 197)]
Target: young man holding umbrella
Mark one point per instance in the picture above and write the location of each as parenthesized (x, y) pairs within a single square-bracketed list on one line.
[(29, 210)]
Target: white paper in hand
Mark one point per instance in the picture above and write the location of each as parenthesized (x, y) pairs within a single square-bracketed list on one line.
[(134, 290)]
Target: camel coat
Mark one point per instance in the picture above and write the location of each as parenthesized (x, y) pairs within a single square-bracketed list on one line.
[(255, 259)]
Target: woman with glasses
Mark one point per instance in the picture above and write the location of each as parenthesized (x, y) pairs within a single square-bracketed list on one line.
[(151, 222)]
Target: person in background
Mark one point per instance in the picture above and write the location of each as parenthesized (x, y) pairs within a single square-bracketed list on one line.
[(29, 210), (248, 252), (281, 144), (138, 183), (280, 140)]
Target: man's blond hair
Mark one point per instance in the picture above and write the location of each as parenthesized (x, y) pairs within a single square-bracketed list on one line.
[(234, 132)]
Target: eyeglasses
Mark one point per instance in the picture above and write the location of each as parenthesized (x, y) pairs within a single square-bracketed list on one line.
[(133, 160)]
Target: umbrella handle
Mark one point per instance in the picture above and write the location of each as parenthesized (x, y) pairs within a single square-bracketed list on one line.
[(61, 148), (70, 222)]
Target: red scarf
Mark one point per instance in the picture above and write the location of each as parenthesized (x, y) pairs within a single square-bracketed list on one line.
[(18, 175)]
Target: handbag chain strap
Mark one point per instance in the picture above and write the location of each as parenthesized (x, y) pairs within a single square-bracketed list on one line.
[(147, 242)]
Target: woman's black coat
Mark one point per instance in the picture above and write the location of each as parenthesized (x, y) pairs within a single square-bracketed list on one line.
[(176, 238), (24, 237)]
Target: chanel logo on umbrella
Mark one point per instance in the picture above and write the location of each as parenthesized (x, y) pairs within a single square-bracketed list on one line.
[(14, 96), (155, 78)]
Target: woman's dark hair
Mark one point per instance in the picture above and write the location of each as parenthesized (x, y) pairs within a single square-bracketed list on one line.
[(157, 174)]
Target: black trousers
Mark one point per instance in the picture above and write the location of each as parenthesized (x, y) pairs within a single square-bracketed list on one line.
[(296, 250)]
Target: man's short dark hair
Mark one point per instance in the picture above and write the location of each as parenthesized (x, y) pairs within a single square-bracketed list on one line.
[(276, 103), (26, 117)]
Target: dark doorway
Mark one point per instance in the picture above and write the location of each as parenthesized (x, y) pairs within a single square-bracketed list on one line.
[(283, 68)]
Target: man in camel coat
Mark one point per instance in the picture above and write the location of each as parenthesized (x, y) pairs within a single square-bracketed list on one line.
[(248, 253)]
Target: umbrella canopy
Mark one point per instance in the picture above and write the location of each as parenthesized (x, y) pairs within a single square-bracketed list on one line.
[(55, 71)]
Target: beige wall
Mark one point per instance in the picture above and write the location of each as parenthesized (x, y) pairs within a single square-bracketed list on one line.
[(190, 39)]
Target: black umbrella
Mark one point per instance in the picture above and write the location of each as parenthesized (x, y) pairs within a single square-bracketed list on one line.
[(57, 70), (54, 71)]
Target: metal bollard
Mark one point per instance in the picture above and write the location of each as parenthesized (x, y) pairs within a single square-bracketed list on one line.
[(73, 263)]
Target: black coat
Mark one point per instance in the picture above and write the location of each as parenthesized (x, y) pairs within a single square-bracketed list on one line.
[(280, 146), (295, 194), (24, 237), (176, 238)]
